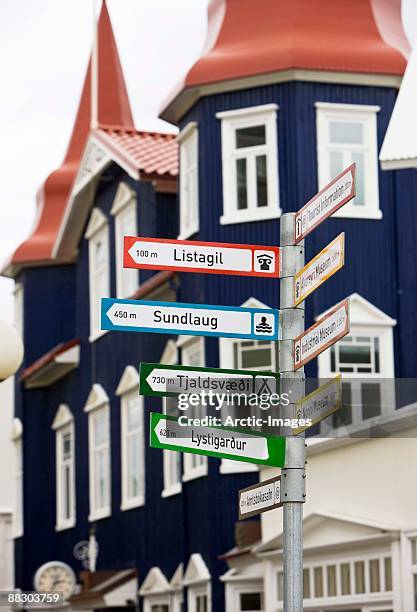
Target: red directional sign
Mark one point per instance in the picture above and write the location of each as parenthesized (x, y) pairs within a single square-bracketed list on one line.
[(328, 200), (195, 256), (328, 330)]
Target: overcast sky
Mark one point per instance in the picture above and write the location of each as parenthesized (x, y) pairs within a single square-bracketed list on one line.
[(44, 51)]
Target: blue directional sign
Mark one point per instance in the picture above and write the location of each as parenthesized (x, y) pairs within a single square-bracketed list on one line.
[(191, 319)]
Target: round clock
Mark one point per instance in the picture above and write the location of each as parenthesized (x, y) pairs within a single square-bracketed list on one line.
[(55, 576)]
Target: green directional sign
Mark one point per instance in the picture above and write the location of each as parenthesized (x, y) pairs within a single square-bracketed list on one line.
[(169, 433), (157, 379)]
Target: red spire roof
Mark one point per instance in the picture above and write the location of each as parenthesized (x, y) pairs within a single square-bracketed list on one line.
[(113, 109), (249, 38)]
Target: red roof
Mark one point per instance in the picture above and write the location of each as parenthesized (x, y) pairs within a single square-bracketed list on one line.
[(114, 118), (247, 38), (149, 152)]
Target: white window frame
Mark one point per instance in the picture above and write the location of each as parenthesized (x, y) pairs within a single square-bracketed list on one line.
[(189, 344), (124, 204), (189, 183), (226, 356), (17, 439), (155, 600), (234, 590), (230, 122), (362, 601), (63, 424), (169, 356), (128, 390), (98, 229), (367, 115), (366, 320), (19, 309), (199, 590), (98, 402)]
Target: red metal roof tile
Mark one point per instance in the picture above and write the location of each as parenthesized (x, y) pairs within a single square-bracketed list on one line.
[(247, 38), (150, 152)]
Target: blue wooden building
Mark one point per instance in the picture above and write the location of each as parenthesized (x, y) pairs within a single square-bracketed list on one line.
[(285, 96)]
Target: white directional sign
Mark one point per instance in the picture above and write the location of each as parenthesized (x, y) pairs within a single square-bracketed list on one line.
[(258, 498), (320, 404), (319, 269), (191, 319), (329, 199), (328, 330), (196, 256)]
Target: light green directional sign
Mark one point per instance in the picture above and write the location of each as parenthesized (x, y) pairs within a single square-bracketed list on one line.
[(157, 379), (168, 433)]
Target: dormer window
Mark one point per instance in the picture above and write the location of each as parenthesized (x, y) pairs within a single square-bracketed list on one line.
[(189, 213), (346, 134), (365, 359), (250, 164)]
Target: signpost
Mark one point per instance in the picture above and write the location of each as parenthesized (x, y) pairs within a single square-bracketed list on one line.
[(189, 319), (167, 432), (319, 269), (159, 380), (297, 347), (328, 330), (329, 199), (195, 256), (261, 497), (320, 404)]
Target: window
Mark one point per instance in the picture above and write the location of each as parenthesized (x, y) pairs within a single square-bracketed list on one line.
[(198, 599), (250, 164), (365, 359), (367, 576), (18, 309), (192, 354), (98, 408), (255, 355), (17, 438), (258, 355), (155, 591), (171, 459), (125, 224), (197, 579), (133, 452), (63, 425), (347, 133), (99, 269), (132, 440), (250, 602), (189, 200)]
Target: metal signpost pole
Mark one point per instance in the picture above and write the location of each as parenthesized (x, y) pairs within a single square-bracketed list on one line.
[(293, 474)]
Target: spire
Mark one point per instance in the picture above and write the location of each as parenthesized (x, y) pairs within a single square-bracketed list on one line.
[(113, 106), (113, 109)]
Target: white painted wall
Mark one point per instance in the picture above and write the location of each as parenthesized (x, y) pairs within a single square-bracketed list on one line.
[(369, 480)]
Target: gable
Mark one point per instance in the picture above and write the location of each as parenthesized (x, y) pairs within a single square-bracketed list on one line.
[(197, 570), (96, 398), (363, 312), (128, 381), (63, 417), (154, 583)]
